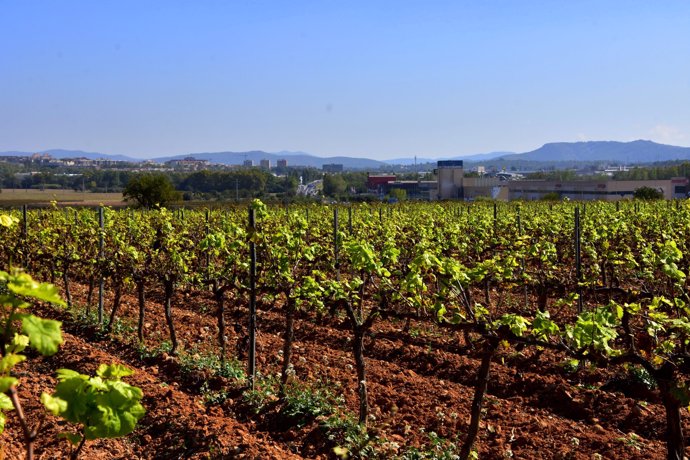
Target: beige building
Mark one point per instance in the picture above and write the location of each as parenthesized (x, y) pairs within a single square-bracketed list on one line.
[(492, 187), (608, 190), (450, 176)]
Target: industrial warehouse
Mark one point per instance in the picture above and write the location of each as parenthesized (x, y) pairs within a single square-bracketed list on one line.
[(451, 184)]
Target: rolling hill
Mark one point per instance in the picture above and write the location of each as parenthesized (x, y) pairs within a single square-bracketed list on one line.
[(639, 151)]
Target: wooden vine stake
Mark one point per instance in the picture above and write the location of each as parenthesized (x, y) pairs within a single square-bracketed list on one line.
[(578, 260), (101, 244), (335, 244), (252, 300)]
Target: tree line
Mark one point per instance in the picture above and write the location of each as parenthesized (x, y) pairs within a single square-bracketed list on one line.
[(206, 184)]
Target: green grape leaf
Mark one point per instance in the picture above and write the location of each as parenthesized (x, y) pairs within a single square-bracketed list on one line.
[(458, 318), (44, 334), (594, 329), (22, 284), (107, 409), (66, 374), (7, 221), (13, 301), (75, 391), (440, 312), (6, 383), (259, 207), (681, 324), (633, 308), (480, 311), (113, 371), (5, 402), (53, 404), (117, 415), (543, 327), (517, 324), (341, 452), (2, 422), (9, 361), (18, 344)]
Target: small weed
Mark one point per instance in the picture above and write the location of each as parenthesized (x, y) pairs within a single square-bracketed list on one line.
[(438, 448), (588, 386), (415, 332), (213, 398), (352, 439), (192, 361), (149, 353), (640, 375), (122, 328), (233, 369), (631, 440), (90, 318), (85, 316), (303, 403), (265, 391)]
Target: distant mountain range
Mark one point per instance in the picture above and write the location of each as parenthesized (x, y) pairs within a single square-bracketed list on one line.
[(634, 152), (620, 152)]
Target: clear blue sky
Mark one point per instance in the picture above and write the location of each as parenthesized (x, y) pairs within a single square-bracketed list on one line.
[(359, 78)]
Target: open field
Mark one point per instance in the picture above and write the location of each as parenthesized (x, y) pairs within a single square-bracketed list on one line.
[(18, 197)]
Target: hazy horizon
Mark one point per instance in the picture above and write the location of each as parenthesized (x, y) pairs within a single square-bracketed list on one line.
[(277, 152), (380, 80)]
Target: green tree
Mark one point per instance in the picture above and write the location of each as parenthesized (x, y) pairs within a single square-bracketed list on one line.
[(398, 194), (149, 190), (648, 193), (334, 184)]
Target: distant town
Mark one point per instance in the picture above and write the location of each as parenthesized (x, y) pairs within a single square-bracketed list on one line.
[(202, 179)]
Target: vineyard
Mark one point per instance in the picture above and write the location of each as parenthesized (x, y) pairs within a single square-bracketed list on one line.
[(409, 331)]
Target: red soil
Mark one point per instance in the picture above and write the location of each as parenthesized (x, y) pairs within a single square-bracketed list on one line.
[(418, 383)]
